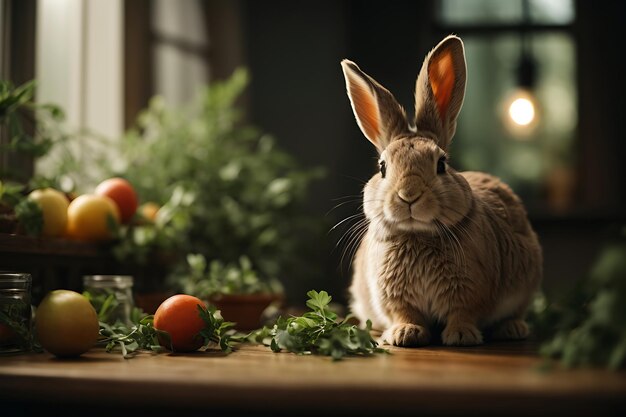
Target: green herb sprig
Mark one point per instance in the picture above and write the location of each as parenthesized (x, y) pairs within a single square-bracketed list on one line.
[(217, 330), (318, 332), (140, 336)]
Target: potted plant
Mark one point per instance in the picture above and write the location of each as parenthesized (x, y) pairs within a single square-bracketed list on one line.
[(235, 289)]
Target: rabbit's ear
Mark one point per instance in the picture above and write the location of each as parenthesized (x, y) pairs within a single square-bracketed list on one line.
[(440, 90), (377, 112)]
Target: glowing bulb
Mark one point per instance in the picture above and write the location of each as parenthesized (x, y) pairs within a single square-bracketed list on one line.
[(522, 111)]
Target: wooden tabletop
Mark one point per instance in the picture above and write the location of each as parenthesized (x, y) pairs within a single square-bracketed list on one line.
[(496, 378)]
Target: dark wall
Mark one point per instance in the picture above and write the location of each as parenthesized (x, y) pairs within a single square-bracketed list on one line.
[(602, 92)]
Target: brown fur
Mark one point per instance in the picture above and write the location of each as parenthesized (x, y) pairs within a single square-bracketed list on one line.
[(450, 248)]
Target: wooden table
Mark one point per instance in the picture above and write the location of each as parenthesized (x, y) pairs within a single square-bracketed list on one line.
[(497, 379)]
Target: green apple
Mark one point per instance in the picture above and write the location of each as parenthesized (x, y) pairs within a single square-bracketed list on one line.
[(67, 324)]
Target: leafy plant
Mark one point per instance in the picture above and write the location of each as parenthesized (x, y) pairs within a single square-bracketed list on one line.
[(587, 327), (205, 281), (17, 108), (319, 332)]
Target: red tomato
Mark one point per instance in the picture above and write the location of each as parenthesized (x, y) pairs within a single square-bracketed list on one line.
[(123, 193), (179, 316)]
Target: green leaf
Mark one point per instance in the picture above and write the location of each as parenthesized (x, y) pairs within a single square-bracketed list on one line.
[(30, 216), (274, 345), (216, 329), (318, 301)]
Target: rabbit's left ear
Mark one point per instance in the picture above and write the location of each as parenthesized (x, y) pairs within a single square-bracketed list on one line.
[(440, 90)]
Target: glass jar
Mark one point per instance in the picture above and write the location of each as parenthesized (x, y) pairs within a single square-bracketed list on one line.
[(118, 289), (15, 312)]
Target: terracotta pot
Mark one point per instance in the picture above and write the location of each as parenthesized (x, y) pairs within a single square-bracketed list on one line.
[(244, 309)]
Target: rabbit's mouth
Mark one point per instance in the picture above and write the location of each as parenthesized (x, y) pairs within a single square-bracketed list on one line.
[(415, 225), (417, 216)]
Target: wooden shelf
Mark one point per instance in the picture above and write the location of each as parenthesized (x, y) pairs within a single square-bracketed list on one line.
[(50, 246), (495, 379), (61, 263)]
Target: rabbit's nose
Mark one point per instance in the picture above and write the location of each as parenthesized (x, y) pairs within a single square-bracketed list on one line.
[(408, 195)]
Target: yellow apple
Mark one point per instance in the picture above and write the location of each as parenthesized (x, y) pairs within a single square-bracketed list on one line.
[(53, 205)]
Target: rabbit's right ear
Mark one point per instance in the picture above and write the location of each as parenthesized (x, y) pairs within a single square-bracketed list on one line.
[(377, 112)]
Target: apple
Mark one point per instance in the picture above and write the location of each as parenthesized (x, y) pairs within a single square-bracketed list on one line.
[(67, 324)]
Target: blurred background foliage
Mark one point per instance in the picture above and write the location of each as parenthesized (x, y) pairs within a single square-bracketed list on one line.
[(586, 325)]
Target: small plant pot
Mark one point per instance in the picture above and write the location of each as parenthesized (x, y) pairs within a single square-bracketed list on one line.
[(244, 309)]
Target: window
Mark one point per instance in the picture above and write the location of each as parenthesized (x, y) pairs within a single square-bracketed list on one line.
[(537, 159)]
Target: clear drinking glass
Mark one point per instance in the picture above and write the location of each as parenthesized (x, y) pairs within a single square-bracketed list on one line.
[(101, 287), (15, 312)]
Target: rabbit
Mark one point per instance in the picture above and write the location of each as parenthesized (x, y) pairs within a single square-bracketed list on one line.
[(442, 248)]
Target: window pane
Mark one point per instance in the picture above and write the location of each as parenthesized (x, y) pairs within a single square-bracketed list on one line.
[(537, 163), (557, 12), (180, 61), (459, 12)]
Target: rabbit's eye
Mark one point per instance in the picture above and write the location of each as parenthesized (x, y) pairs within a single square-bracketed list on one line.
[(383, 168), (441, 165)]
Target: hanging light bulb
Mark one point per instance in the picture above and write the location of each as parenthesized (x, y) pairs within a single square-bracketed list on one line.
[(521, 107), (522, 110)]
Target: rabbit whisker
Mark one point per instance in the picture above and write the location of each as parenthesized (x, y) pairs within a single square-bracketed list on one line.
[(342, 204), (345, 220)]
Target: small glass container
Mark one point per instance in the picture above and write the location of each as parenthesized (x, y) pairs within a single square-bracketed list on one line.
[(101, 287), (15, 312)]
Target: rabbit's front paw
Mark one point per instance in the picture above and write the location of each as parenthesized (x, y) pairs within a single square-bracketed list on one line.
[(407, 335), (514, 329), (461, 334)]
